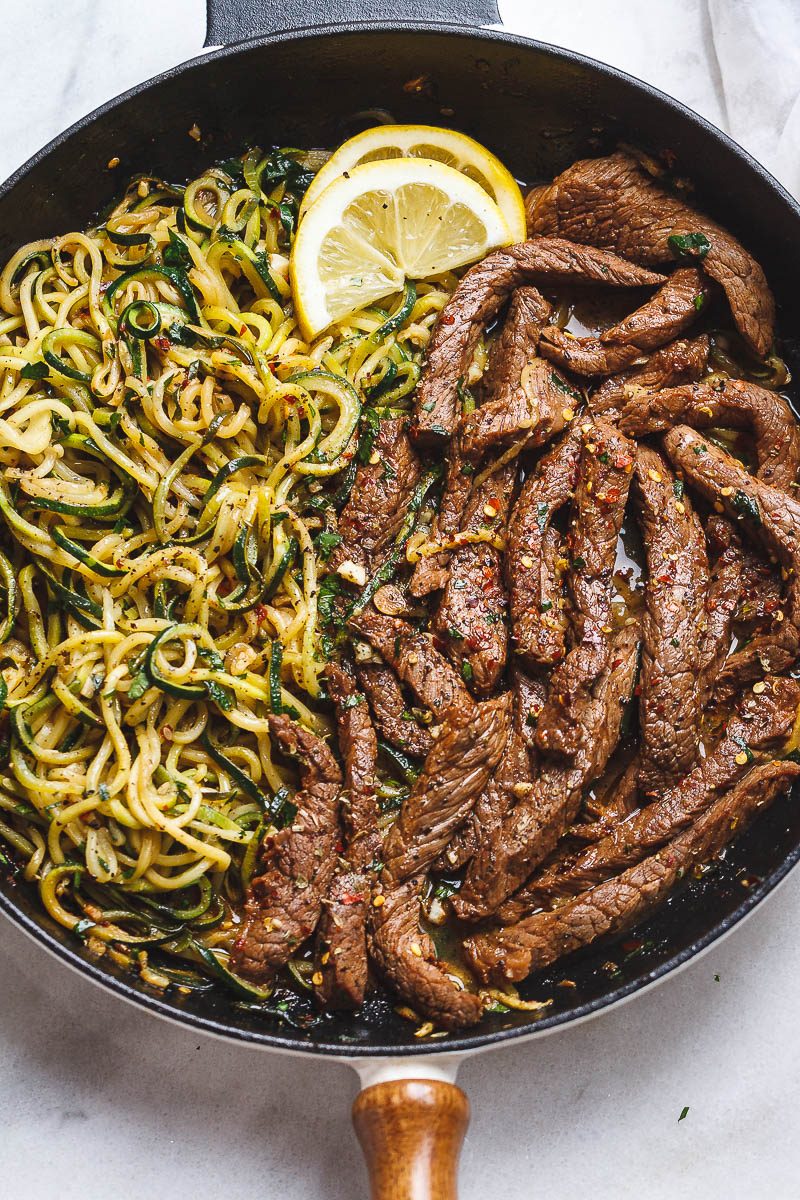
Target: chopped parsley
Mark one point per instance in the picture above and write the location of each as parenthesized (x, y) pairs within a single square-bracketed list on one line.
[(689, 246), (141, 683), (542, 515), (467, 673), (746, 505), (684, 1111), (326, 542), (678, 488)]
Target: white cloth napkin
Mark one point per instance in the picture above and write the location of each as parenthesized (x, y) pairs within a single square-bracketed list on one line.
[(735, 61)]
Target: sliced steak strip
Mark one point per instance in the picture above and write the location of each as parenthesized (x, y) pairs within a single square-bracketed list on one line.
[(602, 491), (435, 683), (455, 772), (471, 618), (380, 496), (676, 591), (533, 578), (612, 202), (406, 957), (772, 518), (512, 777), (430, 573), (671, 311), (724, 595), (477, 300), (388, 706), (587, 355), (547, 808), (549, 404), (539, 408), (528, 313), (618, 904), (341, 948), (359, 749), (732, 403), (759, 724), (296, 865), (682, 361)]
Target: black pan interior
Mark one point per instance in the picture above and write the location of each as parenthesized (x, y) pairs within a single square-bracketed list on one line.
[(539, 109)]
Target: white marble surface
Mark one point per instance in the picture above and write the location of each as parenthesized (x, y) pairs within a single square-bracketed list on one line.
[(99, 1099)]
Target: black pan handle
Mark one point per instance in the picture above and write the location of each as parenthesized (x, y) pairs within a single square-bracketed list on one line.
[(232, 21)]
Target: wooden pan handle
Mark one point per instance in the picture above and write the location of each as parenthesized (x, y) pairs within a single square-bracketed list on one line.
[(411, 1132)]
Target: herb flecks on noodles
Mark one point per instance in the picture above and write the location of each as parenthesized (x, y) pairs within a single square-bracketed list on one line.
[(170, 449)]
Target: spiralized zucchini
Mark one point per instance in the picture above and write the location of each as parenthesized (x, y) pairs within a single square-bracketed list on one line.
[(170, 448)]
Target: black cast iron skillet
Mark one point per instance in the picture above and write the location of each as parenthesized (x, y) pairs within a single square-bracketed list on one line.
[(538, 108)]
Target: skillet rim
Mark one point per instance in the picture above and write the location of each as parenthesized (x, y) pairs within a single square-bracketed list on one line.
[(476, 1040)]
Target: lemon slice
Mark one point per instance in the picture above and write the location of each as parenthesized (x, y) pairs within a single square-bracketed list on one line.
[(427, 141), (383, 223)]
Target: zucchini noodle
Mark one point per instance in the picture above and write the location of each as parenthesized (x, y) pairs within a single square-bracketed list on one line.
[(170, 451)]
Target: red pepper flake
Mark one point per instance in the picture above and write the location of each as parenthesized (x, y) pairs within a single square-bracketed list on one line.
[(448, 319), (352, 898), (162, 344), (261, 613), (623, 461)]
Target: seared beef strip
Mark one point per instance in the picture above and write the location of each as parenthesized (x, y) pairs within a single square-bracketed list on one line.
[(587, 355), (759, 724), (538, 409), (671, 310), (296, 865), (430, 573), (613, 202), (512, 777), (676, 591), (416, 660), (682, 361), (359, 749), (478, 299), (547, 808), (549, 403), (724, 595), (388, 708), (379, 500), (533, 578), (406, 958), (618, 904), (528, 313), (471, 618), (734, 404), (768, 515), (603, 480), (530, 693), (341, 949), (455, 772)]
